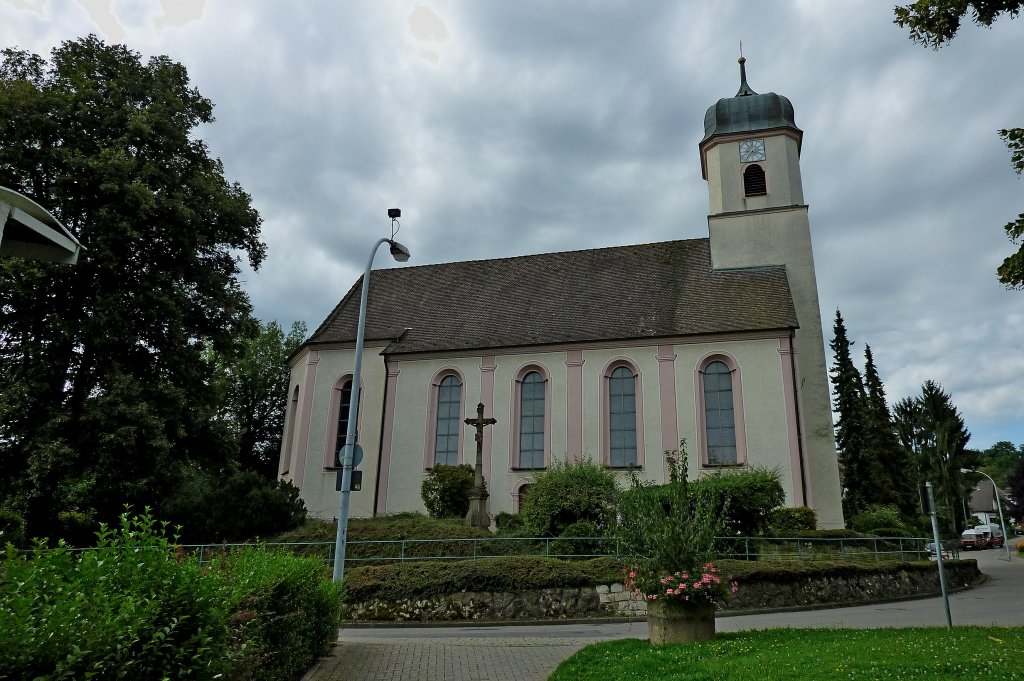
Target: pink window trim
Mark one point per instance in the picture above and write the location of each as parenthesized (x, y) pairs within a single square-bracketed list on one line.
[(516, 491), (606, 454), (309, 384), (431, 426), (289, 432), (386, 439), (737, 406), (513, 435), (332, 424)]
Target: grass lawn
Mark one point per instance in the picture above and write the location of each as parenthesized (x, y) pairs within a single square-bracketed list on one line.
[(798, 654)]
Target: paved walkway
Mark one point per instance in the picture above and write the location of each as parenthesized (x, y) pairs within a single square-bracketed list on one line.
[(532, 652)]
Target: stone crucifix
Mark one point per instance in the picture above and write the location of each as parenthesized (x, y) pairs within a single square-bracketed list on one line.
[(478, 516)]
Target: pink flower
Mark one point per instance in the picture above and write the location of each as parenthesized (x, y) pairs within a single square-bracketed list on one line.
[(632, 575), (668, 592)]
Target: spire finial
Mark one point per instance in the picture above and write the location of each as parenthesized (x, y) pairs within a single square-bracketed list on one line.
[(744, 88)]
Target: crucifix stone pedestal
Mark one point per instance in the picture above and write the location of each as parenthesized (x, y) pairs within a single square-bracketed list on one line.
[(478, 516)]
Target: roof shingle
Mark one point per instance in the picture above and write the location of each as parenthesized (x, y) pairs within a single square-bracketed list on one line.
[(645, 291)]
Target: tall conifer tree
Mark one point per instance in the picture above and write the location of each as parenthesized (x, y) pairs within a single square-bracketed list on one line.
[(896, 482), (851, 428)]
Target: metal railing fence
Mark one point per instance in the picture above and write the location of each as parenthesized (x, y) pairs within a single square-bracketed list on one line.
[(870, 550)]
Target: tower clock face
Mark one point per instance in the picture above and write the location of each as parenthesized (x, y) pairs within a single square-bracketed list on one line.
[(751, 150)]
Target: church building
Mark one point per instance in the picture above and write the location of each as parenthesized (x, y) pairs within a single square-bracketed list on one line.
[(610, 354)]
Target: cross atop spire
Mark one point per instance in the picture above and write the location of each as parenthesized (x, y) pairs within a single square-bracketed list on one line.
[(744, 90)]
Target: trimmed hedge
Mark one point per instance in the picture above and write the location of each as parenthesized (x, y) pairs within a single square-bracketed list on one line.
[(134, 607), (788, 571), (428, 578), (284, 612)]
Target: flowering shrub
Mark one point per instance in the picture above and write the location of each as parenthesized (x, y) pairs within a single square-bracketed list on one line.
[(667, 534), (702, 586)]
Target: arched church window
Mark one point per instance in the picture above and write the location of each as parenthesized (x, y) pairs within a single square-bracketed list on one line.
[(720, 411), (448, 424), (289, 431), (531, 420), (622, 421), (754, 182), (719, 414), (344, 404)]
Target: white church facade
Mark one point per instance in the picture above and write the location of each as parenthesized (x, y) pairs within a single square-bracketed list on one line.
[(611, 354)]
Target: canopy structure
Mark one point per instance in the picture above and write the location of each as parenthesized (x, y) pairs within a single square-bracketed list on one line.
[(28, 230)]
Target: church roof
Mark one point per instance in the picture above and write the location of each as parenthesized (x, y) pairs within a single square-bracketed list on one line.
[(748, 111), (645, 291)]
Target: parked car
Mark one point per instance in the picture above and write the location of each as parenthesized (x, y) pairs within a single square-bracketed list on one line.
[(945, 550), (970, 539), (993, 532)]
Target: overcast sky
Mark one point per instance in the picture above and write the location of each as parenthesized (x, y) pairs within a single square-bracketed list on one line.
[(510, 128)]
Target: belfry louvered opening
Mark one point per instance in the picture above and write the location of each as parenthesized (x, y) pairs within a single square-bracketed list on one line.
[(754, 183)]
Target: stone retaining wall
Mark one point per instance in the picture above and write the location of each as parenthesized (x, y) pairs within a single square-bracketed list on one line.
[(611, 600)]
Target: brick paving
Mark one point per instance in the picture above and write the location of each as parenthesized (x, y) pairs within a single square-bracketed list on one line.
[(447, 659)]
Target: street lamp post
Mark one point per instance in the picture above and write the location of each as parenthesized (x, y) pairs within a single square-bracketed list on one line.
[(401, 254), (999, 505)]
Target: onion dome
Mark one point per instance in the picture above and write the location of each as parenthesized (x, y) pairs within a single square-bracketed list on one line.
[(748, 111)]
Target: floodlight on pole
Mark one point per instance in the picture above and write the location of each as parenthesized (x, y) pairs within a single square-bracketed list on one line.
[(401, 254), (999, 505)]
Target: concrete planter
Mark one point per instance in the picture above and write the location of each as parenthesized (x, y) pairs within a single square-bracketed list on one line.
[(675, 622)]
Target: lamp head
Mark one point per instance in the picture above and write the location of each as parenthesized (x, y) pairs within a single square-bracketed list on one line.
[(399, 252), (966, 470)]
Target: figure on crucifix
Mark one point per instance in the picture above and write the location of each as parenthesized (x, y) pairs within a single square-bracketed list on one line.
[(478, 516)]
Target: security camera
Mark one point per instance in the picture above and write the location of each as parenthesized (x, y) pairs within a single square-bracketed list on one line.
[(394, 213)]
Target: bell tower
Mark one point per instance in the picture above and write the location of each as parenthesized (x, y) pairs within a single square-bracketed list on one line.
[(750, 157)]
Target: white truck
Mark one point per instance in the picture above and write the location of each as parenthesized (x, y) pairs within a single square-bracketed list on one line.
[(993, 532)]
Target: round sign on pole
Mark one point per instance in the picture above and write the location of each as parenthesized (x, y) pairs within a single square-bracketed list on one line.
[(357, 455)]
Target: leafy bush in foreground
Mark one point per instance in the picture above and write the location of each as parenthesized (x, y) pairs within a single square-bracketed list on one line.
[(128, 609), (135, 608)]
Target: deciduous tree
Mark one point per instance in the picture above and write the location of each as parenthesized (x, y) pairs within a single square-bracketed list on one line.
[(104, 384), (934, 23), (256, 387)]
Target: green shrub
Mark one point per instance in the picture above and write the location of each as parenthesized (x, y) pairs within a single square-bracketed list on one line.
[(789, 519), (445, 490), (284, 612), (136, 608), (666, 528), (238, 506), (566, 493), (745, 498), (508, 523), (130, 608), (877, 517), (399, 581), (894, 532), (577, 540), (12, 528)]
